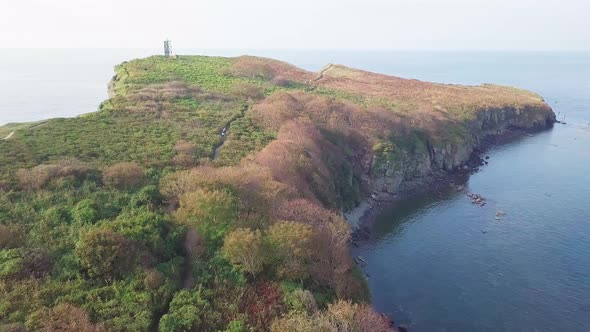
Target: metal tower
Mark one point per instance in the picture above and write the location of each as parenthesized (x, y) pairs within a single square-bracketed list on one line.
[(167, 48)]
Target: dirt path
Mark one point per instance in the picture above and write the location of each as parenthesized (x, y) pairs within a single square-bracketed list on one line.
[(225, 132), (9, 135), (321, 75), (190, 245)]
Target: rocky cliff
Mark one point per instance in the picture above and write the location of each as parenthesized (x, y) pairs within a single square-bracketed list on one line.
[(435, 156)]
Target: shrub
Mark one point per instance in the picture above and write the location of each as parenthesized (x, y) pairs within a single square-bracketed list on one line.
[(24, 263), (183, 160), (67, 318), (10, 237), (236, 326), (85, 212), (291, 247), (12, 327), (141, 227), (38, 176), (104, 254), (342, 316), (302, 301), (264, 302), (304, 211), (124, 175), (301, 322), (248, 91), (183, 146), (154, 279), (332, 265), (211, 212), (37, 263), (253, 68), (245, 248), (348, 316), (148, 195), (188, 311)]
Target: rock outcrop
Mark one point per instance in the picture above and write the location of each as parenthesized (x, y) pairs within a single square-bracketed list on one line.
[(434, 156)]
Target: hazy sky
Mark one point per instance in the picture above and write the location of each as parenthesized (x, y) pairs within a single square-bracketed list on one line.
[(315, 24)]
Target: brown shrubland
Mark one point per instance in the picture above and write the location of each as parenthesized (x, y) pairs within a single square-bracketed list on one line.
[(38, 176), (67, 318), (124, 175)]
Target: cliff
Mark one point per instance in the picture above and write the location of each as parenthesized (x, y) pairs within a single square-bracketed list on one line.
[(434, 156)]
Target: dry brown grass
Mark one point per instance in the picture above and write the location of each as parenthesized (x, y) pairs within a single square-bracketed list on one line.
[(418, 104), (267, 69)]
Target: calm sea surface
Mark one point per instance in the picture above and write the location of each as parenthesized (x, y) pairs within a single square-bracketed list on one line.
[(437, 262)]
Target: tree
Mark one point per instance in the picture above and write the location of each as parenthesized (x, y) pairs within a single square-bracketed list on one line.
[(211, 212), (263, 302), (104, 254), (125, 175), (189, 311), (291, 243), (245, 247), (141, 226)]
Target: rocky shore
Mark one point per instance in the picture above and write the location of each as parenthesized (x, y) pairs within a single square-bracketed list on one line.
[(361, 217)]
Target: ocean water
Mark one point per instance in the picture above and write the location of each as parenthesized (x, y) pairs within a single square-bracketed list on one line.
[(436, 262)]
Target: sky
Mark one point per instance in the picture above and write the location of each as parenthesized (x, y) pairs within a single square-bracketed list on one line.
[(299, 24)]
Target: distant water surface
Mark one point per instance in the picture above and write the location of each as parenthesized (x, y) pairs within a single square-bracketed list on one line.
[(437, 263)]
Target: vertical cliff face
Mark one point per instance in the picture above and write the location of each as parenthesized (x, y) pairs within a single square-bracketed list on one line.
[(436, 155)]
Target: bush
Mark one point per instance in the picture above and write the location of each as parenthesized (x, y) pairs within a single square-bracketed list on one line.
[(236, 326), (264, 302), (182, 146), (124, 175), (302, 301), (183, 160), (104, 254), (348, 316), (154, 279), (24, 263), (342, 316), (10, 237), (248, 91), (85, 212), (299, 322), (67, 318), (38, 176), (244, 247), (291, 243), (252, 68), (142, 227), (211, 212), (188, 311)]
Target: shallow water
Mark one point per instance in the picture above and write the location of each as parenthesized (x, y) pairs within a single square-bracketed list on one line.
[(438, 263)]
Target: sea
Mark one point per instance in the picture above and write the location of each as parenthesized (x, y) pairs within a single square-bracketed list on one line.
[(435, 262)]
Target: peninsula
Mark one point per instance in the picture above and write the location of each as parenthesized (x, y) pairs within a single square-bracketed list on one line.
[(209, 193)]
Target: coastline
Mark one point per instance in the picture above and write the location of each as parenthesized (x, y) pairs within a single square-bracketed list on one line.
[(361, 217)]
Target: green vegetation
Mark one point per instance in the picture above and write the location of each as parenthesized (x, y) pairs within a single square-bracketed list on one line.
[(128, 220)]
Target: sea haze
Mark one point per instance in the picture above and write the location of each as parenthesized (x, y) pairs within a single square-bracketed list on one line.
[(437, 262)]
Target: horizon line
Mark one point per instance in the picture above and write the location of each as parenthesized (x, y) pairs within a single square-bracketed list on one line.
[(307, 49)]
